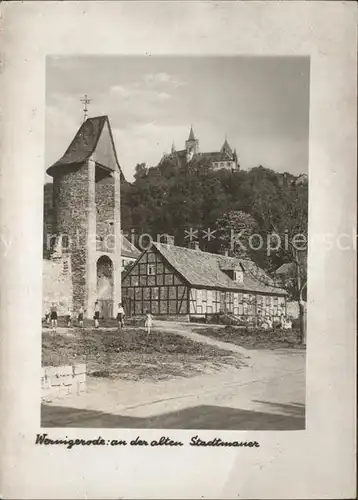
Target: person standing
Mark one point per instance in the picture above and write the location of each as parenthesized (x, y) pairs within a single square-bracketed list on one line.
[(148, 321), (53, 316), (47, 316), (283, 322), (69, 317), (80, 317), (120, 316), (96, 314)]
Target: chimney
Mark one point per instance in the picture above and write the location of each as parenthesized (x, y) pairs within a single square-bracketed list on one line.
[(167, 239), (194, 245)]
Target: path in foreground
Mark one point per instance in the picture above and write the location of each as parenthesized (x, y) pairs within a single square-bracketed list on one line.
[(268, 394)]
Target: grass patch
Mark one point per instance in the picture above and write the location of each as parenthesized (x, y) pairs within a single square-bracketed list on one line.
[(255, 338), (132, 355)]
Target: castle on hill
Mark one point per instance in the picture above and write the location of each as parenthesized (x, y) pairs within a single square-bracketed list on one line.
[(226, 158)]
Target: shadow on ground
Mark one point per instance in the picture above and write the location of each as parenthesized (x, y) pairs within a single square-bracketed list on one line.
[(296, 410), (199, 417)]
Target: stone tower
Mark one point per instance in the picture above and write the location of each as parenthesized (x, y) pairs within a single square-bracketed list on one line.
[(87, 214), (192, 144)]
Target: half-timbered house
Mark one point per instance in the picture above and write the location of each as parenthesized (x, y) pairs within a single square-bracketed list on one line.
[(168, 280)]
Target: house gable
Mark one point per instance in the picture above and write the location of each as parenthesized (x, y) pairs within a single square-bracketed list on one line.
[(153, 284)]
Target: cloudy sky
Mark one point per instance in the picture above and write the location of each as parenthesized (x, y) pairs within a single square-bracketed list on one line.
[(260, 103)]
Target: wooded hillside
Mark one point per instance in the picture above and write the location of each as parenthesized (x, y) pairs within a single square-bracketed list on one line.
[(173, 198)]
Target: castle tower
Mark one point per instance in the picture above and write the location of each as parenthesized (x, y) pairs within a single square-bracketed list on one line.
[(86, 205), (226, 149), (234, 157), (192, 144)]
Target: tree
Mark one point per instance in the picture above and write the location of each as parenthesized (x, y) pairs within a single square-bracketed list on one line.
[(237, 227), (140, 171), (285, 220)]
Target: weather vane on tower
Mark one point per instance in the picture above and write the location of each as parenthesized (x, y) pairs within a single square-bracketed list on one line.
[(85, 101)]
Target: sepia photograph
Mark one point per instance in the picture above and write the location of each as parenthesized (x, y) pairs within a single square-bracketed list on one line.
[(178, 249), (175, 242)]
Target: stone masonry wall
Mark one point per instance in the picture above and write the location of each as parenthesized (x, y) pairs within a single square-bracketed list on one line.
[(118, 239), (71, 207), (104, 196), (86, 207), (56, 285), (60, 381)]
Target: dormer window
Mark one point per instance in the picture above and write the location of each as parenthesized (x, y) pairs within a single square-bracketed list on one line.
[(238, 276)]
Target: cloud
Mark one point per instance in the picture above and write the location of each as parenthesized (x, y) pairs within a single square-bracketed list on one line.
[(162, 78), (132, 104), (163, 96), (129, 92)]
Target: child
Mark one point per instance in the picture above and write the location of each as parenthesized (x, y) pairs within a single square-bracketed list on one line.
[(120, 316), (283, 322), (47, 316), (80, 317), (269, 323), (53, 317), (148, 321), (286, 324), (68, 317), (96, 315)]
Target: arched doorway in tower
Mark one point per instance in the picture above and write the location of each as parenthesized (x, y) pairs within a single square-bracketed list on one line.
[(105, 286)]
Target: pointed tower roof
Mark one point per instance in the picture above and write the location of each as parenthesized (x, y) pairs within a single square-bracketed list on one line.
[(94, 134), (191, 134), (226, 148)]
